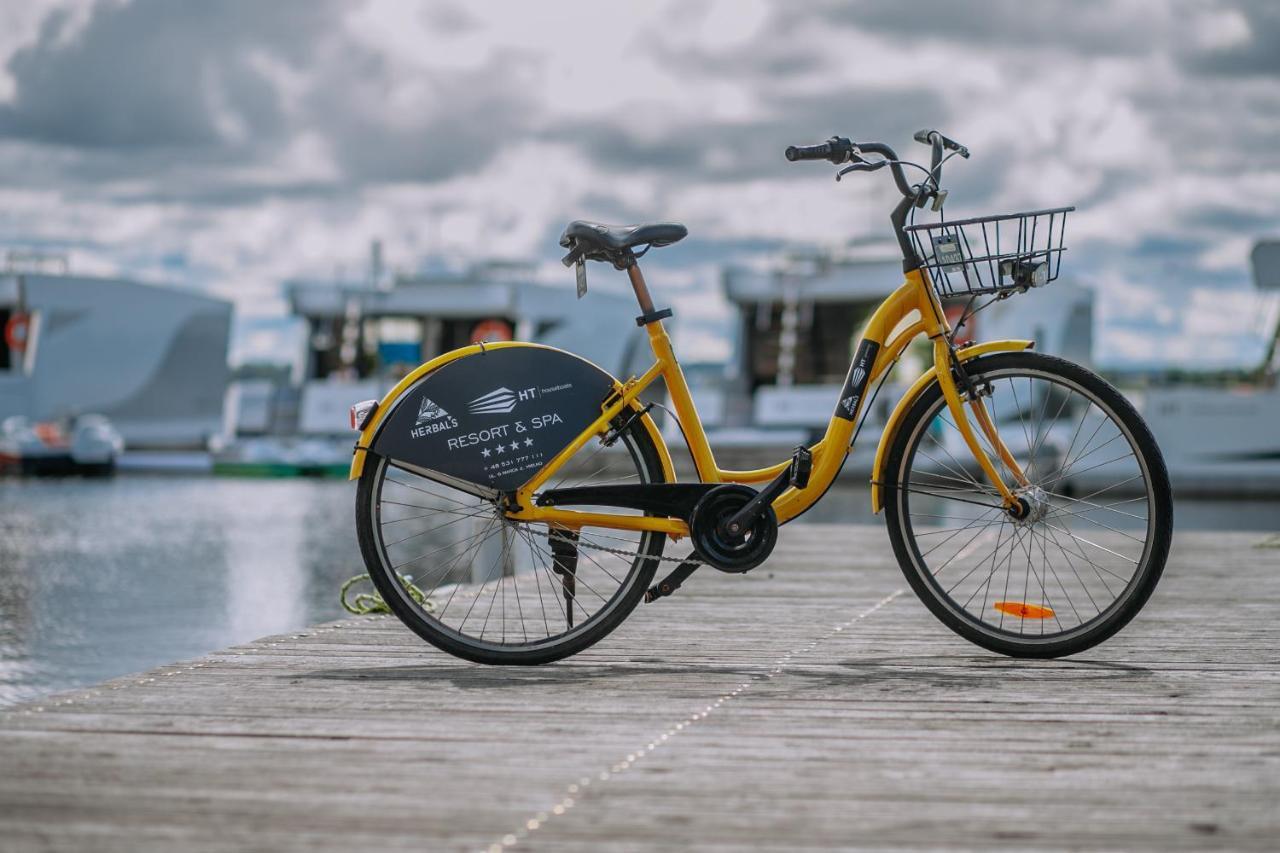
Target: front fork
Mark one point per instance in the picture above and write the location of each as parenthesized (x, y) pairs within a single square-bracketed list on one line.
[(948, 368)]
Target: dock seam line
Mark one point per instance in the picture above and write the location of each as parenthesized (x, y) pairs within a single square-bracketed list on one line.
[(578, 788)]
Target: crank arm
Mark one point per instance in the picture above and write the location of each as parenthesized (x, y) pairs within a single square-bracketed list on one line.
[(796, 475)]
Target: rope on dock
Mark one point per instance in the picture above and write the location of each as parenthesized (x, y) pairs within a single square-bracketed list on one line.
[(366, 603), (1272, 541)]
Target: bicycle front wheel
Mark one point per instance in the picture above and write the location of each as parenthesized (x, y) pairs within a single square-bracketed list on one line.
[(477, 584), (1090, 549)]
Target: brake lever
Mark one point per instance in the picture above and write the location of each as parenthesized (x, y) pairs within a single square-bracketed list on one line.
[(862, 166)]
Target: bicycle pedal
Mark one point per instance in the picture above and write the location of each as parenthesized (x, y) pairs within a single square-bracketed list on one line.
[(801, 467)]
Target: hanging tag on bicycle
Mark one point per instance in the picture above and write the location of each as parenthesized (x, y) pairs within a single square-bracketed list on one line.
[(946, 248), (580, 272)]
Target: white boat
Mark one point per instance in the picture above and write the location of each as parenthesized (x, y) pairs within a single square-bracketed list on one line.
[(1224, 439), (87, 445), (1217, 440), (152, 360)]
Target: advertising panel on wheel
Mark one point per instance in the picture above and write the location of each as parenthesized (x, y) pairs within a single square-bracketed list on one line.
[(495, 418)]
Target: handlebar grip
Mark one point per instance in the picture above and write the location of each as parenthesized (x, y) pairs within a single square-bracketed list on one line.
[(927, 136), (808, 152)]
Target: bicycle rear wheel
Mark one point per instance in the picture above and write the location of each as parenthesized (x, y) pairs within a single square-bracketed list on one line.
[(499, 591), (1092, 547)]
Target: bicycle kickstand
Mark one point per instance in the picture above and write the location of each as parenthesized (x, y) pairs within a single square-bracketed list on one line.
[(564, 552), (671, 582)]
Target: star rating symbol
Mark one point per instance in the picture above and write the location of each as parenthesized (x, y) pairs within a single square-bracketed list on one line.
[(515, 445), (484, 451), (500, 449), (528, 442)]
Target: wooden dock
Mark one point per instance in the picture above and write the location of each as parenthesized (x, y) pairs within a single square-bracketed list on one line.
[(813, 703)]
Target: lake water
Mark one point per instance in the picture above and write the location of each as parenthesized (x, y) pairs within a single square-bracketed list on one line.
[(103, 578)]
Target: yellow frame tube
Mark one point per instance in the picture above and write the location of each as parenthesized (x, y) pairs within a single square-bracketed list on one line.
[(988, 428), (950, 393)]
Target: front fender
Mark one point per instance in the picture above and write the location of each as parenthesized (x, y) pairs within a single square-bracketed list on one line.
[(388, 404), (913, 393)]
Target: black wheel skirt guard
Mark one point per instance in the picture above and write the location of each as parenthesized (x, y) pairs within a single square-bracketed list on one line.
[(496, 417)]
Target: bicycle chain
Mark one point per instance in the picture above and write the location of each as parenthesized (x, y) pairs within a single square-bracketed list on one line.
[(622, 552)]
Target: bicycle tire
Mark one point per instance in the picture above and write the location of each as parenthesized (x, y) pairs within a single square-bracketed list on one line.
[(644, 454), (924, 581)]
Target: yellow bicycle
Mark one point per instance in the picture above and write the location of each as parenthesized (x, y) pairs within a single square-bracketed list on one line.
[(515, 501)]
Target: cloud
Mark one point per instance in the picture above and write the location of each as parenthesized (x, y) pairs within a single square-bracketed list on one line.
[(1252, 49), (1092, 27), (236, 144), (157, 74)]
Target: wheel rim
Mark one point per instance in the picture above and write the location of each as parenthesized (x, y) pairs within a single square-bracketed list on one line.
[(1079, 553), (491, 582)]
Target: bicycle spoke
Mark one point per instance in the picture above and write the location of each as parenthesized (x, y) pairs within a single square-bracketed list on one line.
[(438, 527), (1067, 556), (1064, 515), (961, 472), (1044, 557), (1092, 506), (967, 574), (1138, 476), (948, 497), (968, 484), (985, 586), (435, 495), (436, 551), (985, 522), (1041, 436), (1088, 542)]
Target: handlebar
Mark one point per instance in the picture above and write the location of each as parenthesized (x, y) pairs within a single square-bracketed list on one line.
[(839, 150)]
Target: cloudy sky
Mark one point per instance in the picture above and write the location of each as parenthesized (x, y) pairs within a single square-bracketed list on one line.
[(231, 145)]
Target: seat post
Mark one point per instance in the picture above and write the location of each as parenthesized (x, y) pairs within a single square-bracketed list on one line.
[(641, 289)]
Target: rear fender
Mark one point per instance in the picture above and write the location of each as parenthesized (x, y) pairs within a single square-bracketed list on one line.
[(908, 399), (372, 436)]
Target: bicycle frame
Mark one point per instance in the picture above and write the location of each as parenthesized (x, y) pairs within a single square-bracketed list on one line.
[(914, 296)]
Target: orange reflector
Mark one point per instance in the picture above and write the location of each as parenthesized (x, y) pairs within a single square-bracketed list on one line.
[(1024, 610)]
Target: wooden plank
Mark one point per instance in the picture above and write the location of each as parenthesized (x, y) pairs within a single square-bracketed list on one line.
[(810, 704)]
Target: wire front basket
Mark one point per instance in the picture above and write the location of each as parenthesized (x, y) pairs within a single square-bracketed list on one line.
[(1002, 254)]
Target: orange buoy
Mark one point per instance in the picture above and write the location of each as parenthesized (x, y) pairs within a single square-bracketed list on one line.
[(1024, 610), (16, 330), (491, 331)]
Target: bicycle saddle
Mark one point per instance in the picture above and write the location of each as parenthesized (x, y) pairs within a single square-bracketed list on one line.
[(597, 242)]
